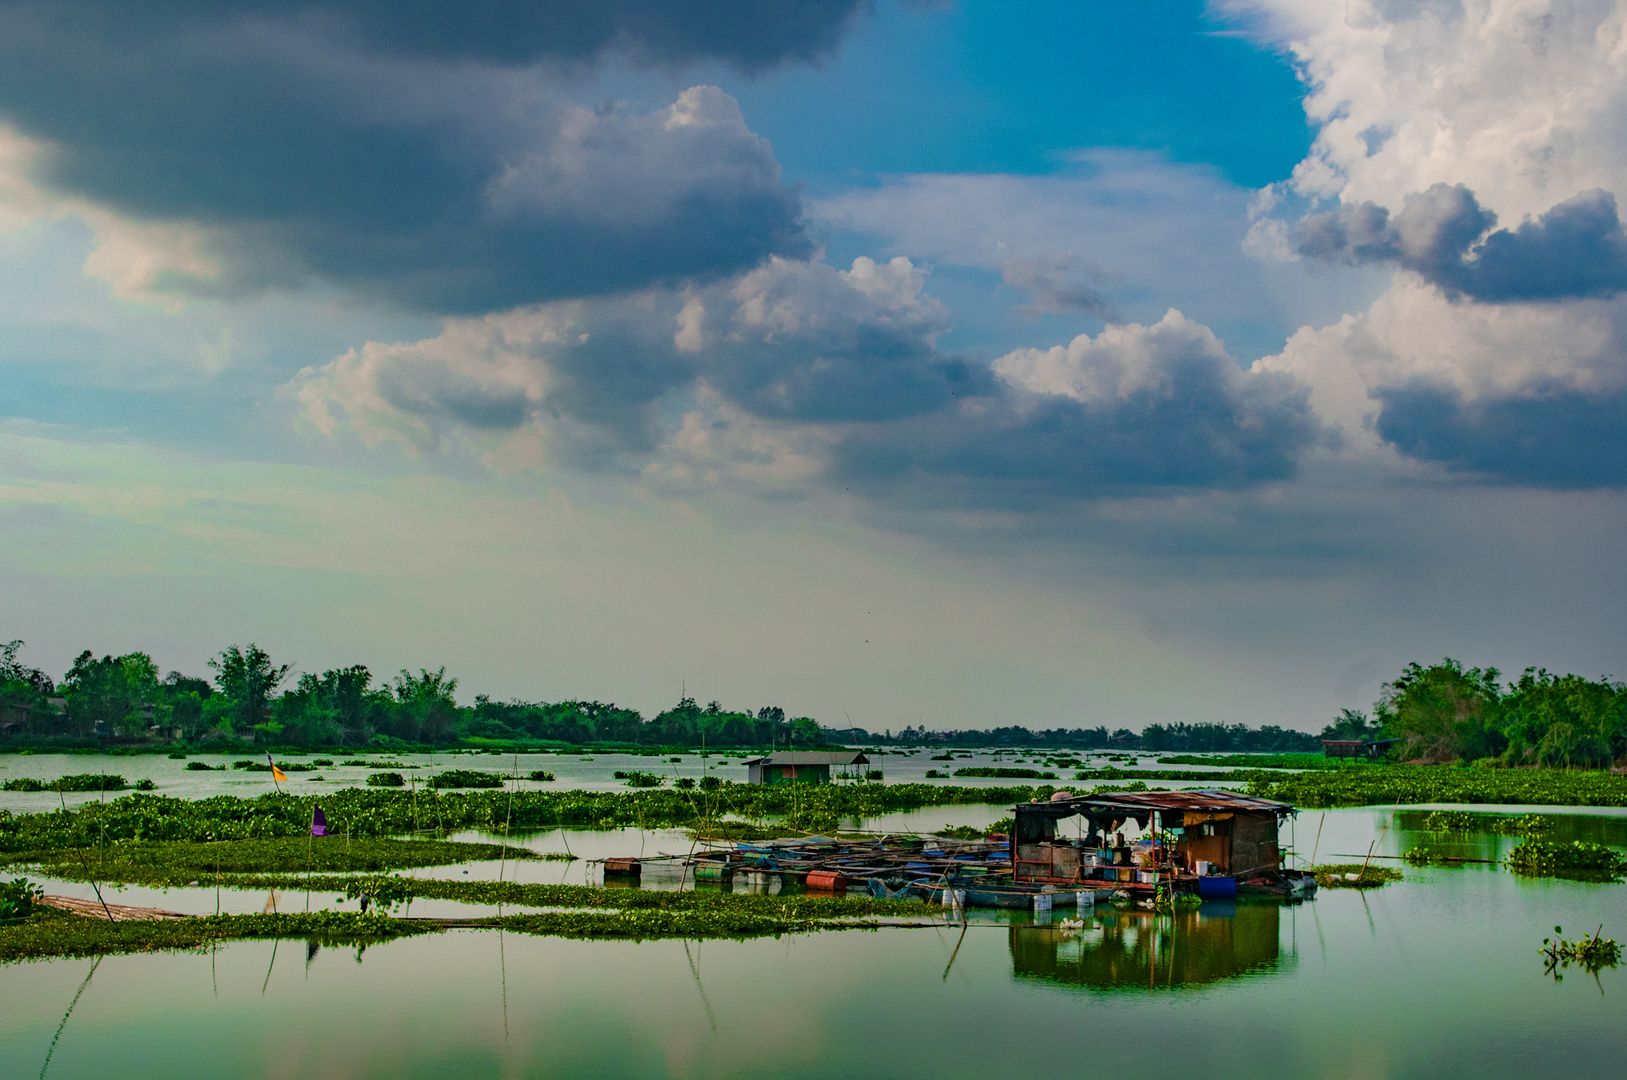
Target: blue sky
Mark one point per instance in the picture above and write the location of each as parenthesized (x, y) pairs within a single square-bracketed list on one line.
[(955, 363)]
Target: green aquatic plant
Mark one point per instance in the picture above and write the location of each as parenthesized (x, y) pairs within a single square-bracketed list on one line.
[(1403, 784), (372, 812), (1455, 821), (591, 913), (1429, 855), (541, 776), (1524, 825), (960, 832), (386, 779), (1591, 954), (1000, 772), (637, 779), (77, 782), (201, 766), (1578, 859), (1353, 875), (18, 898), (182, 863), (465, 778)]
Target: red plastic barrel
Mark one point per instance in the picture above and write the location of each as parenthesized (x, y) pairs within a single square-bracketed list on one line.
[(828, 880)]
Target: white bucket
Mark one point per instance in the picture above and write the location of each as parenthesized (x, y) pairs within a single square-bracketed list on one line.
[(1203, 868)]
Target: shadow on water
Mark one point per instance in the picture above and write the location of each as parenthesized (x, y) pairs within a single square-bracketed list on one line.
[(1125, 950)]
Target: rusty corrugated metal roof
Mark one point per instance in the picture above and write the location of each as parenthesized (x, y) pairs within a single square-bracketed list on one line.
[(811, 757), (1199, 801)]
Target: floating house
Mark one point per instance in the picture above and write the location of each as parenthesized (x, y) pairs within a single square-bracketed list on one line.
[(802, 766), (1191, 834), (1367, 748)]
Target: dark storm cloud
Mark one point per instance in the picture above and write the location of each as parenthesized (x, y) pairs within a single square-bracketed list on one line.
[(1577, 249), (414, 151), (748, 34), (1547, 437), (1201, 423)]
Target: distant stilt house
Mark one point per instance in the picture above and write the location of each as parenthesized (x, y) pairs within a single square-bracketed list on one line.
[(13, 717), (1359, 748), (802, 766)]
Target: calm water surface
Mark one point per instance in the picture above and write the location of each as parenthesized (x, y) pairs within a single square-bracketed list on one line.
[(1435, 977)]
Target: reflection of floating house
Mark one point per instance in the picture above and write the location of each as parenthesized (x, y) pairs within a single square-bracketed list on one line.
[(802, 766), (1136, 950), (1192, 834)]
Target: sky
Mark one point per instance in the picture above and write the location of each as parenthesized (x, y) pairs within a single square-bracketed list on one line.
[(896, 362)]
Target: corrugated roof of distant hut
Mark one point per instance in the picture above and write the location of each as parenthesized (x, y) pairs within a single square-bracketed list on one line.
[(810, 757), (1141, 805)]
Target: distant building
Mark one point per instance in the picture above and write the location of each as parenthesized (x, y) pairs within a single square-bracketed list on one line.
[(801, 766), (1367, 748)]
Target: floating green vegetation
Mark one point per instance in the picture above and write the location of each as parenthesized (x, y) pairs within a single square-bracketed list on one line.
[(1266, 761), (1591, 954), (1465, 822), (362, 763), (637, 779), (1524, 825), (1354, 875), (386, 779), (960, 832), (201, 766), (541, 776), (369, 812), (52, 933), (1578, 859), (18, 898), (1191, 775), (171, 864), (1005, 773), (1430, 855), (465, 778), (77, 782), (1456, 821), (933, 774), (1402, 784), (601, 913)]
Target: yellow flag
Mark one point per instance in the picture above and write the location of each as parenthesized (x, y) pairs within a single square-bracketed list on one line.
[(277, 774)]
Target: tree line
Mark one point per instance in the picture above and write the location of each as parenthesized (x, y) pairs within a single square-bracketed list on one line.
[(252, 698), (1178, 737)]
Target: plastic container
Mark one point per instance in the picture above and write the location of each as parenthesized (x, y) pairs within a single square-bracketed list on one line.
[(1213, 887), (1203, 867), (828, 880)]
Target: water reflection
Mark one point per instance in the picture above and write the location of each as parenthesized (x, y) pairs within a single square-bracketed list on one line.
[(1124, 950)]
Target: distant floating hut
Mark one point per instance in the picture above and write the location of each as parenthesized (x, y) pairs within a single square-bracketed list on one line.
[(802, 766)]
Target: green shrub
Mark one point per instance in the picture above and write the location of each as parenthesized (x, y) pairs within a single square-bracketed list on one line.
[(541, 776), (386, 779), (199, 766)]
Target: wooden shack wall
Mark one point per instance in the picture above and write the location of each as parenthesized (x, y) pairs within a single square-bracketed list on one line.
[(1254, 843)]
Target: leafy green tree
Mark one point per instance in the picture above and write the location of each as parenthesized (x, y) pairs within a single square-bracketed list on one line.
[(1352, 724), (249, 678), (1564, 721), (116, 694), (428, 711), (1443, 712)]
